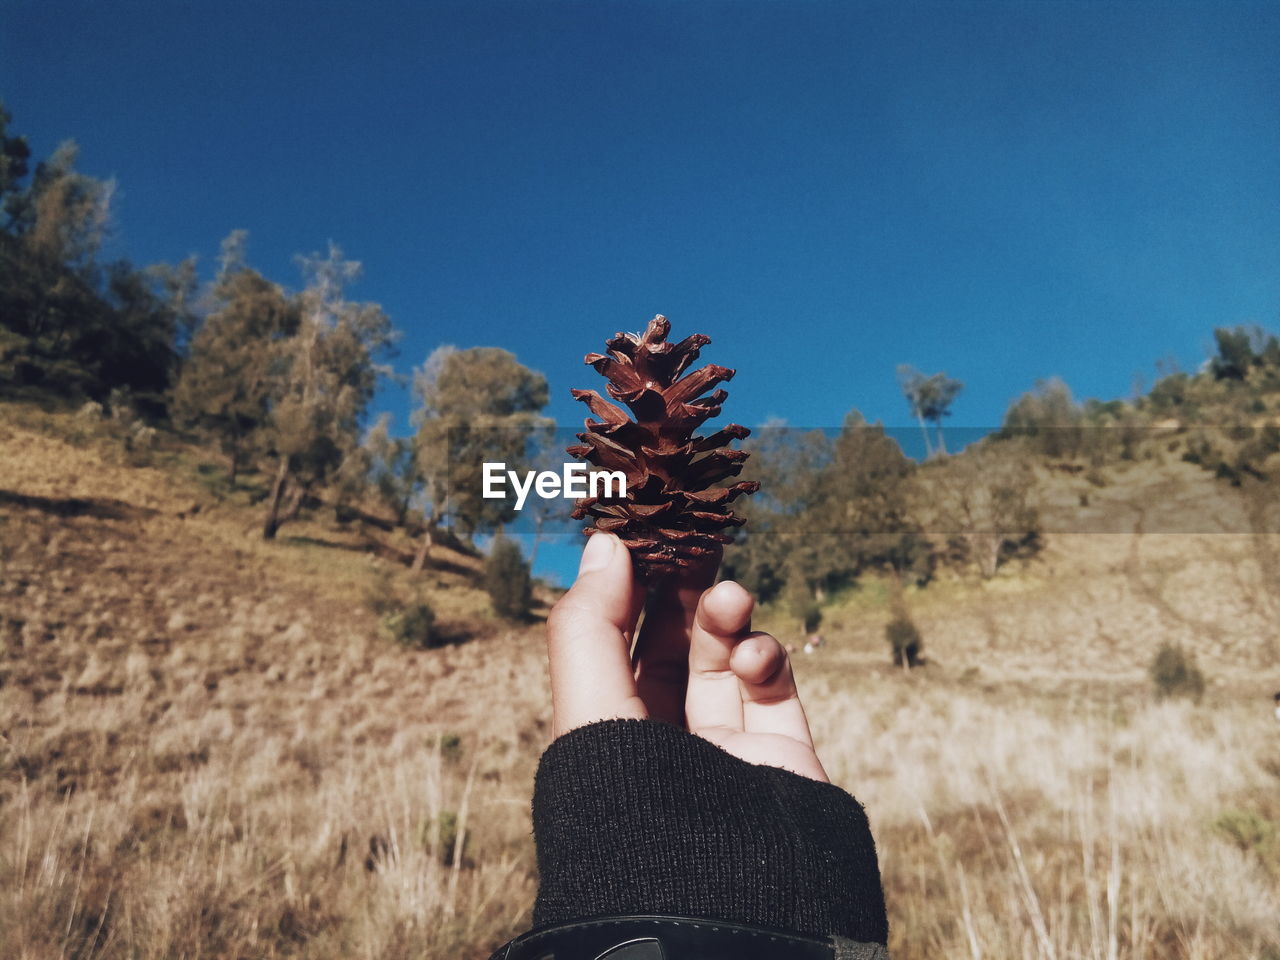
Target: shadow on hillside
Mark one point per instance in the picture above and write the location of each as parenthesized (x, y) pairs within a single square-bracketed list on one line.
[(99, 508), (300, 541), (382, 550), (441, 564), (454, 633)]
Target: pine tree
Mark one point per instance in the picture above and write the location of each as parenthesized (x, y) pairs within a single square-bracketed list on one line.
[(226, 385), (323, 379), (14, 154), (673, 512), (70, 324)]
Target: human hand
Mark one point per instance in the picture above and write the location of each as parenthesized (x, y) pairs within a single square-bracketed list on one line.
[(697, 663)]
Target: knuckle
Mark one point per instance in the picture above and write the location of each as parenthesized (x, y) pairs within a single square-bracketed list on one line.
[(771, 699)]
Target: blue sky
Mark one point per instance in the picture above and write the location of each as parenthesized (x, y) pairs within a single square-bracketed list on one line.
[(1003, 191)]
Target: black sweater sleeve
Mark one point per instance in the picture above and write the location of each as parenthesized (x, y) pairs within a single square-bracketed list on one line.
[(641, 817)]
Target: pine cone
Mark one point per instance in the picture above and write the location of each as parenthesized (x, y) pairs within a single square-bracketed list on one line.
[(673, 512)]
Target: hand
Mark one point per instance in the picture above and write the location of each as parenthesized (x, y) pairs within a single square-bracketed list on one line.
[(697, 663)]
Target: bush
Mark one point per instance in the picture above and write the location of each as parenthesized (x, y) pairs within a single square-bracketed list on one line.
[(411, 627), (380, 594), (905, 641), (1175, 674), (802, 604), (451, 747), (1247, 829), (1254, 834), (443, 831), (404, 616), (506, 578)]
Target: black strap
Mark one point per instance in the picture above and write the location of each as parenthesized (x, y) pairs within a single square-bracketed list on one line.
[(662, 938)]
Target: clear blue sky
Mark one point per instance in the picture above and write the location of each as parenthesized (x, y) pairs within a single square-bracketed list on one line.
[(1003, 191)]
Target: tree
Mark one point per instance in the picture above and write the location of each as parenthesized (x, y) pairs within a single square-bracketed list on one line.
[(506, 578), (868, 491), (63, 215), (68, 324), (14, 154), (226, 386), (829, 508), (1048, 417), (391, 468), (51, 307), (801, 603), (1240, 349), (478, 405), (930, 398), (780, 543), (322, 379), (380, 468), (983, 496), (137, 348)]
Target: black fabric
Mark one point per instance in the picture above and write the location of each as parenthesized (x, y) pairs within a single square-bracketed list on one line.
[(663, 938), (641, 817)]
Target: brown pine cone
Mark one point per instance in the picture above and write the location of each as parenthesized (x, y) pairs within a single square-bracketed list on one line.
[(673, 512)]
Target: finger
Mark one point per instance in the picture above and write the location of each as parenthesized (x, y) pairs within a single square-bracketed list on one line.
[(662, 652), (589, 640), (714, 698), (770, 701)]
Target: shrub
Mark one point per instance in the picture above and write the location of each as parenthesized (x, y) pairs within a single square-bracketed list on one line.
[(404, 616), (443, 829), (506, 578), (451, 747), (380, 594), (1253, 834), (1247, 829), (1175, 674), (802, 604), (904, 639), (90, 412), (411, 626)]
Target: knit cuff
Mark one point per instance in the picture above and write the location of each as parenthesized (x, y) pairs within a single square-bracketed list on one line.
[(641, 817)]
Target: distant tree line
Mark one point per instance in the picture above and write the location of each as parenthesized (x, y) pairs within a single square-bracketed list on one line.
[(280, 381), (68, 321), (837, 506)]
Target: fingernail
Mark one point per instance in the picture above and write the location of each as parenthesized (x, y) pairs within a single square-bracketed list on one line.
[(598, 553)]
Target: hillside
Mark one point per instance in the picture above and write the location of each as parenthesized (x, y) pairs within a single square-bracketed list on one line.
[(210, 749), (205, 697), (1103, 593)]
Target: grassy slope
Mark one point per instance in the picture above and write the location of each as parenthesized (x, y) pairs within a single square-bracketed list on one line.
[(207, 745), (206, 749)]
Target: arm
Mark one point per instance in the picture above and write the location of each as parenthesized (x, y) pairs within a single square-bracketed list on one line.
[(686, 785)]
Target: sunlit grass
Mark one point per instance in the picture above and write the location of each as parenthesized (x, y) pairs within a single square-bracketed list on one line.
[(208, 750)]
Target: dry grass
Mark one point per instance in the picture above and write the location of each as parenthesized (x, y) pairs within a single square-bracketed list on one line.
[(206, 750), (1078, 825)]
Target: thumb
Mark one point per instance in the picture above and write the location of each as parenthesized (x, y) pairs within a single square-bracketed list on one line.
[(589, 635)]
